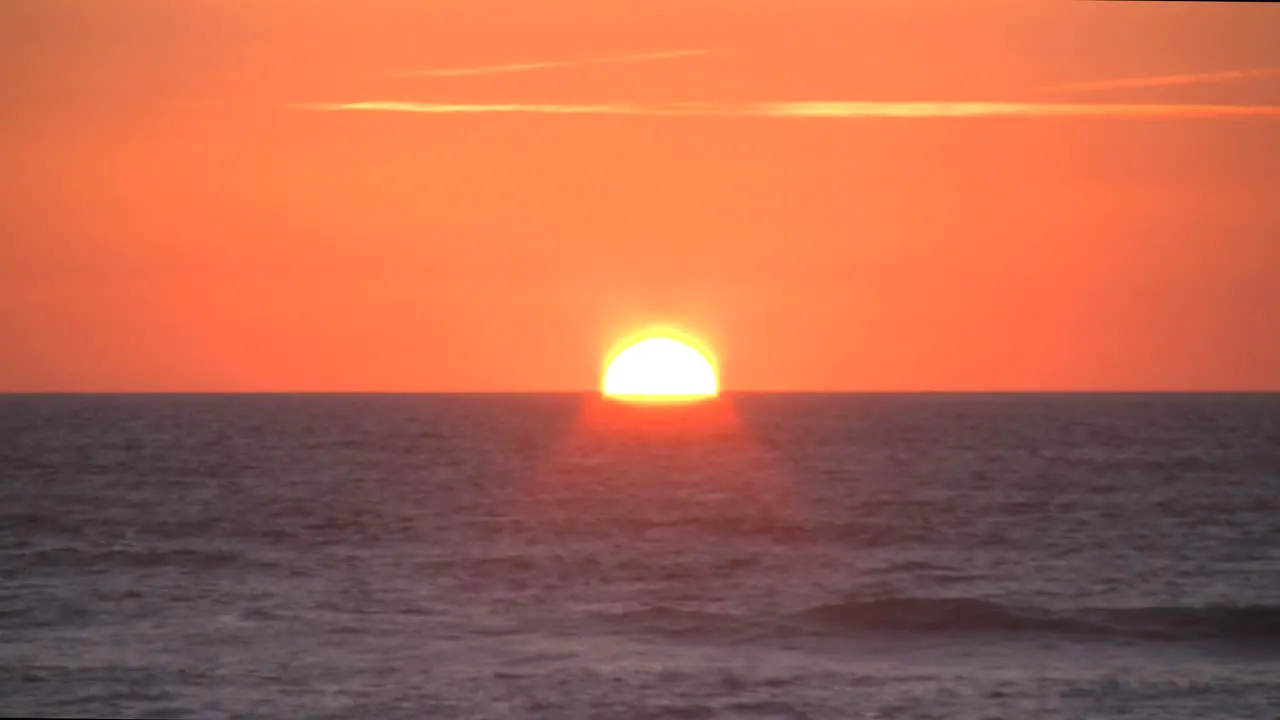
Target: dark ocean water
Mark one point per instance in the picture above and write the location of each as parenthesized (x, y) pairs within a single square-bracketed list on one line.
[(773, 556)]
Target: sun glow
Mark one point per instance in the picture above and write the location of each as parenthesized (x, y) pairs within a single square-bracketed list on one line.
[(659, 368)]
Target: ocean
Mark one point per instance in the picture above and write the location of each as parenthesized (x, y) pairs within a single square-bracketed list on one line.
[(558, 556)]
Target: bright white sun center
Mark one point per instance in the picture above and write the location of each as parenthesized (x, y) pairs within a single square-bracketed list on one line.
[(660, 368)]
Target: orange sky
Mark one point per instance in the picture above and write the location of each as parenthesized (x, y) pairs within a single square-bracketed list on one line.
[(191, 200)]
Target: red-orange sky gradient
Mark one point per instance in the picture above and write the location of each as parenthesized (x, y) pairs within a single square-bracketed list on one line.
[(190, 201)]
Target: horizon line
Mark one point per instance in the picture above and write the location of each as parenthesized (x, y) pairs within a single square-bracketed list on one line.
[(597, 393)]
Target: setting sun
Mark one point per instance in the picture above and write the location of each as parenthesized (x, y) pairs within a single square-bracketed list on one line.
[(659, 368)]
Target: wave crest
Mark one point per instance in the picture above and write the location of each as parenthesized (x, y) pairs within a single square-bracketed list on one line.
[(933, 615), (967, 615)]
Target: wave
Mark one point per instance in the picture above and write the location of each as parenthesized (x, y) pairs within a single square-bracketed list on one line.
[(965, 615), (913, 616), (1242, 622), (932, 615), (105, 559)]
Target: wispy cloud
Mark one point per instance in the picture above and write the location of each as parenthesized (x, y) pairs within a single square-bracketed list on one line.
[(1165, 80), (851, 110), (525, 67)]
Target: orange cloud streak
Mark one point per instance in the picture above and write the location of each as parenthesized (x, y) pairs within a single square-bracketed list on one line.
[(1165, 80), (524, 67), (851, 110)]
